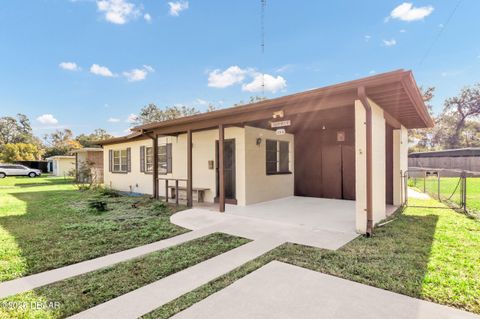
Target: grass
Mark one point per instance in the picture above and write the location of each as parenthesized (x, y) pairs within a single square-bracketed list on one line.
[(448, 186), (76, 294), (45, 223), (426, 253)]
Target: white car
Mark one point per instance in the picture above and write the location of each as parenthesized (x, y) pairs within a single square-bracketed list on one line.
[(18, 170)]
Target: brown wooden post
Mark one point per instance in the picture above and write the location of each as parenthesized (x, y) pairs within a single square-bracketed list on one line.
[(189, 169), (155, 167), (221, 168), (166, 190), (176, 192)]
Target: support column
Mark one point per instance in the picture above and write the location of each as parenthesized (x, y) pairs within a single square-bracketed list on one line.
[(189, 170), (155, 167), (221, 167)]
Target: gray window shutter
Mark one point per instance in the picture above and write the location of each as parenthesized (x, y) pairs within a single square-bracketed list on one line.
[(110, 160), (129, 159), (169, 157), (142, 159)]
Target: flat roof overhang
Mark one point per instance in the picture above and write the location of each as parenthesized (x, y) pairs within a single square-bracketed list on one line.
[(396, 92)]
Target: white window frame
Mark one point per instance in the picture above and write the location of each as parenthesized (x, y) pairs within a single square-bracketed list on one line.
[(120, 161)]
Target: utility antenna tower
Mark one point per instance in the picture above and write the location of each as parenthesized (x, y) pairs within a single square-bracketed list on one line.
[(263, 4)]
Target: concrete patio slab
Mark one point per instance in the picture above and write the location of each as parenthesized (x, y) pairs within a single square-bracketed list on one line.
[(314, 213), (254, 228), (143, 300), (280, 290)]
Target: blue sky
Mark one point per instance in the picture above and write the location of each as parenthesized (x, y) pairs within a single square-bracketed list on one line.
[(89, 64)]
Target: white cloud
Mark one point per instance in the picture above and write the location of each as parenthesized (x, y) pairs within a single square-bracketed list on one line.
[(407, 12), (223, 79), (403, 30), (47, 119), (271, 83), (147, 17), (101, 70), (372, 72), (441, 26), (138, 74), (177, 7), (389, 43), (113, 120), (135, 75), (444, 74), (285, 68), (367, 37), (118, 11), (148, 68), (132, 118), (69, 66)]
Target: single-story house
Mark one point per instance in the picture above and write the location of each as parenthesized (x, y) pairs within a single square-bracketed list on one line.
[(346, 141), (61, 165), (92, 156)]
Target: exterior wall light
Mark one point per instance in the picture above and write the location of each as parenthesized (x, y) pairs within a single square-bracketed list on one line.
[(259, 141)]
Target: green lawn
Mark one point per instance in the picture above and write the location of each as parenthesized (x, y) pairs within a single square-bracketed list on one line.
[(448, 186), (432, 254), (45, 223), (71, 296)]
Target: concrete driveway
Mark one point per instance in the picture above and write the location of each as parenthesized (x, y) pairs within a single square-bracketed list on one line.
[(282, 291)]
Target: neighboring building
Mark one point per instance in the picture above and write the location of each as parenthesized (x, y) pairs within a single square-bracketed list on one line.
[(347, 141), (466, 159), (61, 165), (89, 156)]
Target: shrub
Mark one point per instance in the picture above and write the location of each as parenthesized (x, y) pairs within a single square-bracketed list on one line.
[(160, 207), (98, 204)]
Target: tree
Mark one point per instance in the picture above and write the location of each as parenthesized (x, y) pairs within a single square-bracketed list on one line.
[(152, 113), (462, 108), (19, 152), (88, 140), (421, 139), (16, 130), (60, 142)]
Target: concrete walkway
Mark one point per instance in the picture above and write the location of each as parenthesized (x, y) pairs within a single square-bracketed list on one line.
[(19, 285), (280, 290), (143, 300), (415, 194)]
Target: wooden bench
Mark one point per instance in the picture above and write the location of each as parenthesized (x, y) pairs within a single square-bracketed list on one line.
[(200, 192)]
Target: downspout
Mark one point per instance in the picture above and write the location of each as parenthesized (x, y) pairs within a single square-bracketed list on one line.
[(368, 114)]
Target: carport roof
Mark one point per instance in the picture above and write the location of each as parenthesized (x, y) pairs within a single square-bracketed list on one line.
[(396, 92)]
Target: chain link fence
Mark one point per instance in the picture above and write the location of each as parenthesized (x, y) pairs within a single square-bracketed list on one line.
[(457, 188)]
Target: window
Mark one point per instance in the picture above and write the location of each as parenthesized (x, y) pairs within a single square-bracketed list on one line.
[(120, 163), (164, 159), (277, 157), (149, 159)]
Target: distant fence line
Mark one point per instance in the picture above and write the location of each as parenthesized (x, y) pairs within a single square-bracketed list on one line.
[(466, 163)]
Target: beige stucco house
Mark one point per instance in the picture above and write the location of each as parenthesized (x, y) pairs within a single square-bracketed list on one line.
[(345, 142), (60, 165)]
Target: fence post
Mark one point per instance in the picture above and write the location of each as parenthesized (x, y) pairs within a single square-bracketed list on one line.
[(438, 186), (405, 188), (425, 181), (166, 190), (465, 192)]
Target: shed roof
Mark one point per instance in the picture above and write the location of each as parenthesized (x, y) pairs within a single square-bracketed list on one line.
[(458, 152)]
